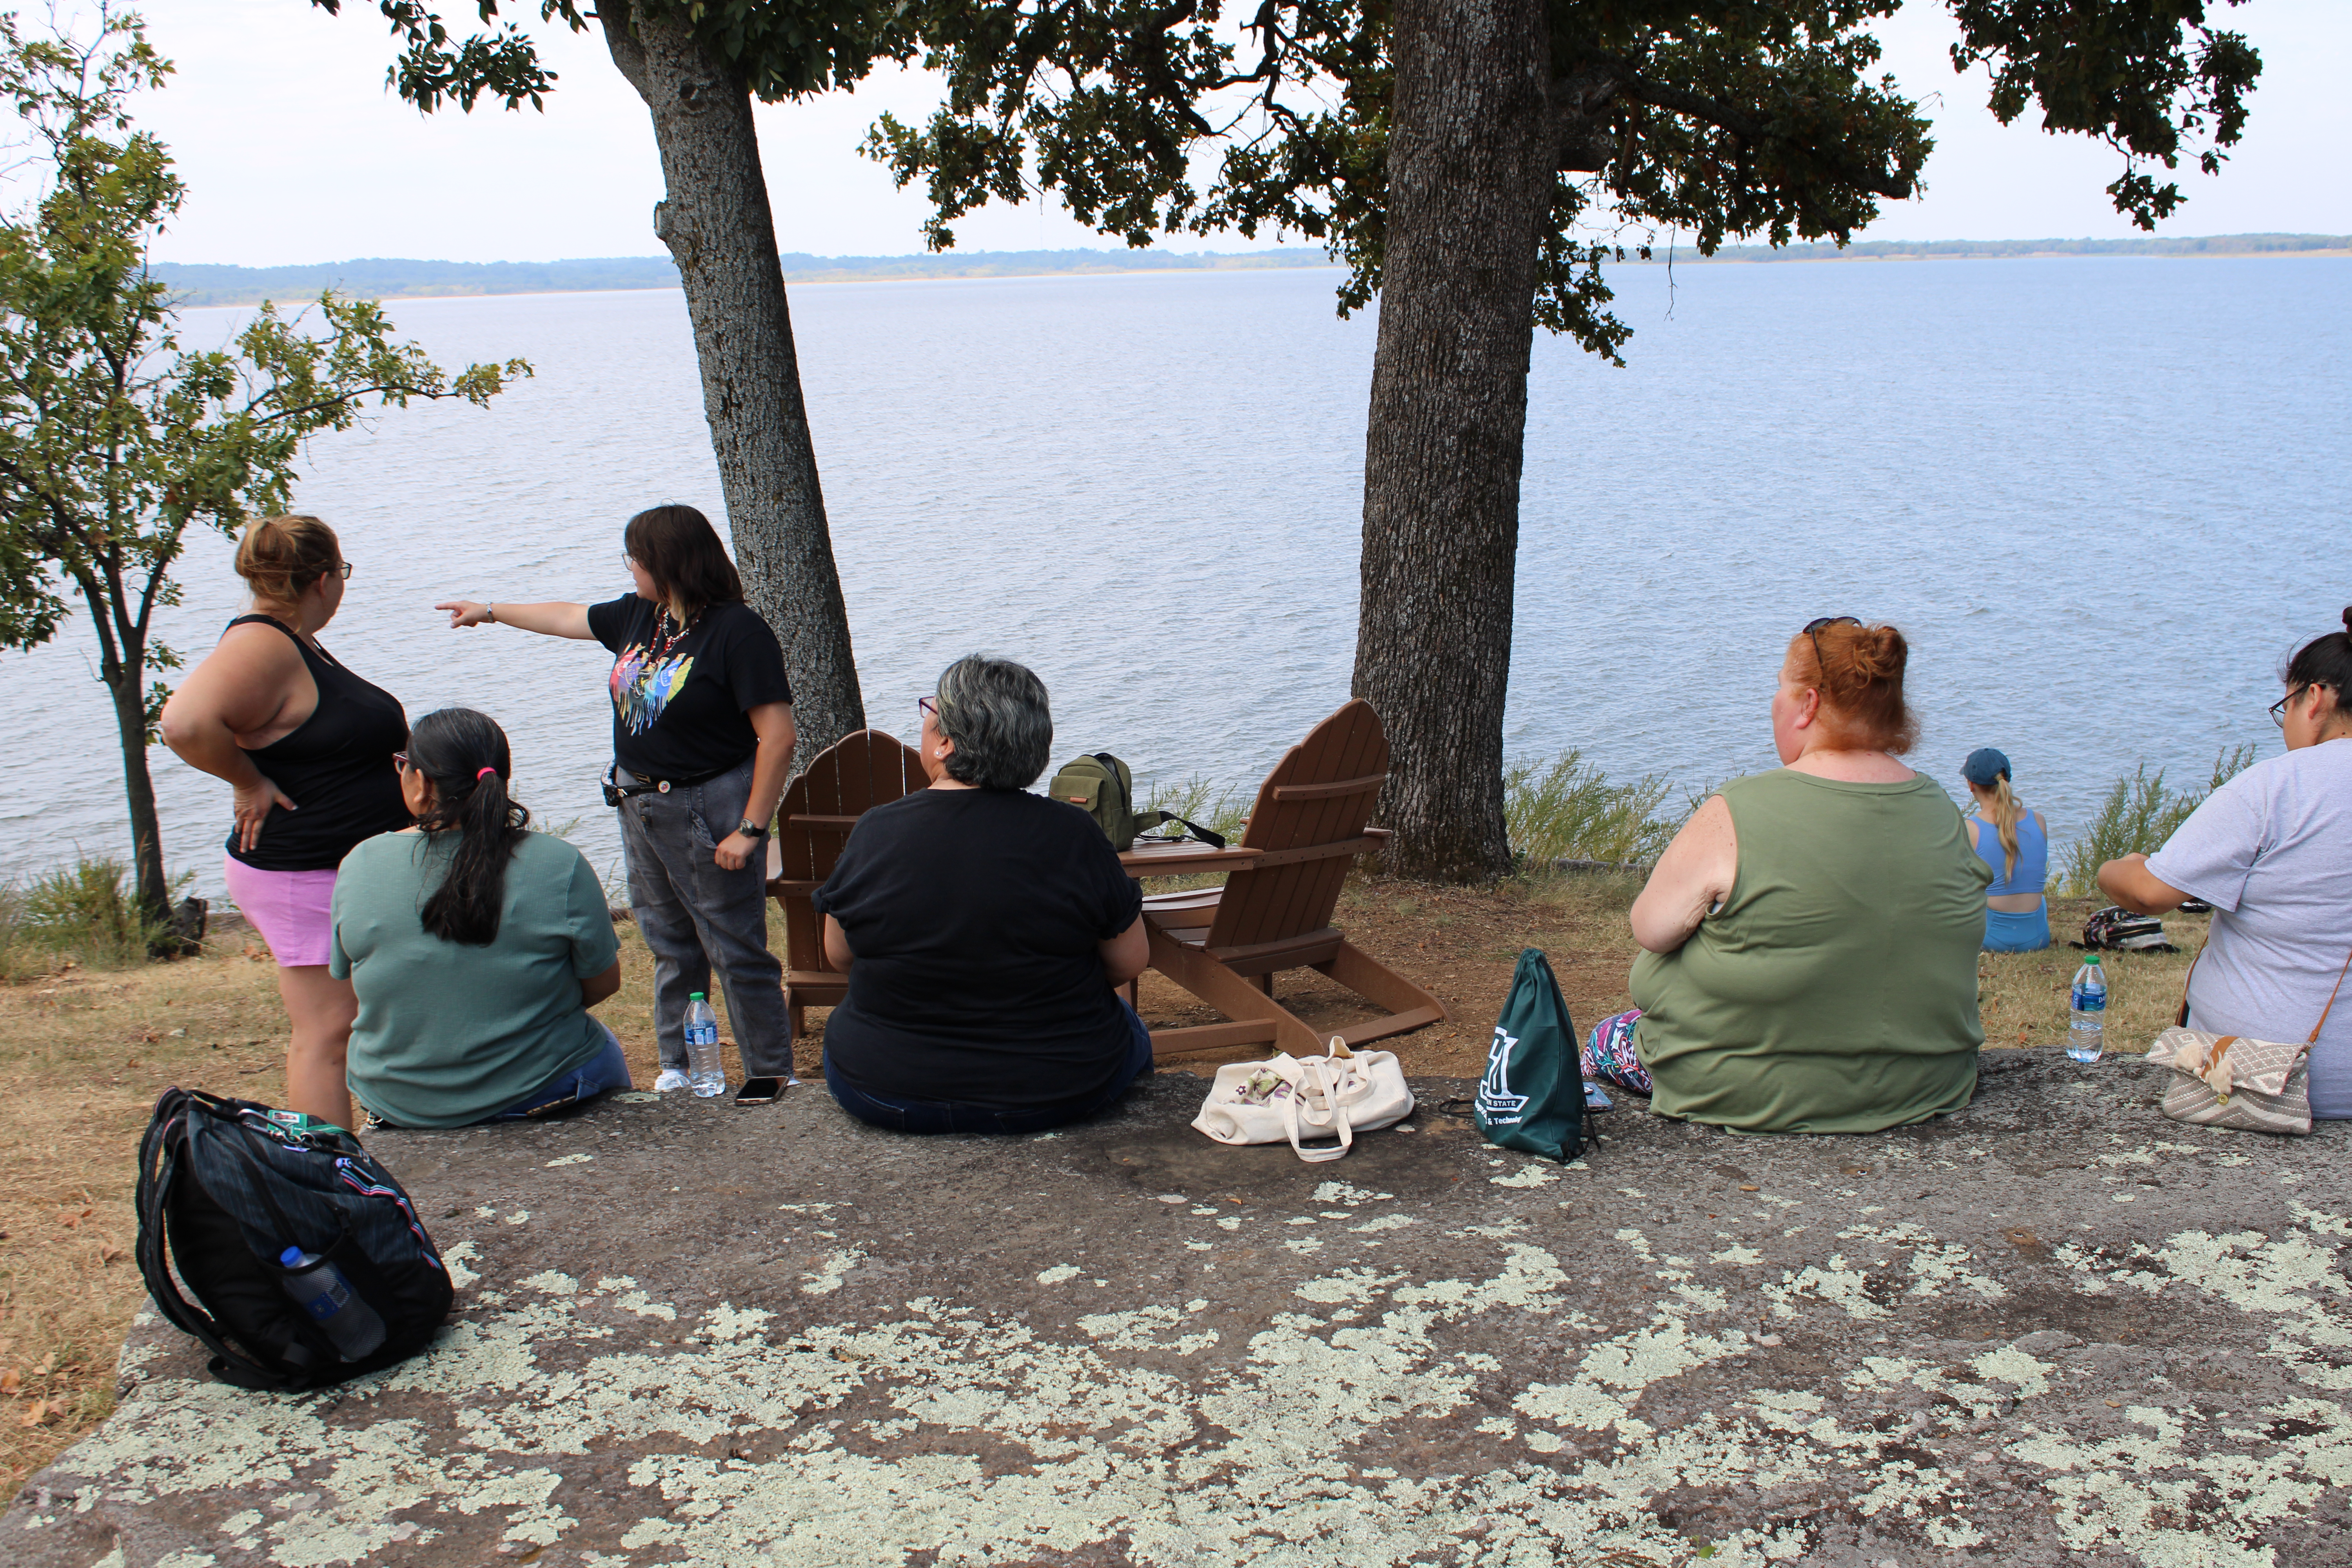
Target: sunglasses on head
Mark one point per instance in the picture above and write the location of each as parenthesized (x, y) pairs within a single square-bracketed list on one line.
[(1813, 630)]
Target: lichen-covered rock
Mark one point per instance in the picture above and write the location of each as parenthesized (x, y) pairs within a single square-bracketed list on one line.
[(2057, 1328)]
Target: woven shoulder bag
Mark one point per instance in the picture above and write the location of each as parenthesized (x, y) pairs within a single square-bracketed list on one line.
[(2230, 1080)]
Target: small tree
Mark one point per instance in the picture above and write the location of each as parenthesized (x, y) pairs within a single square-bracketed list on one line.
[(114, 440)]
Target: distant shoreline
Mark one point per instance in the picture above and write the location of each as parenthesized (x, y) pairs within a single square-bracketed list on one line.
[(376, 278)]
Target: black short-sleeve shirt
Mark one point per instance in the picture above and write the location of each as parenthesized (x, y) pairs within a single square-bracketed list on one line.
[(679, 701), (975, 916)]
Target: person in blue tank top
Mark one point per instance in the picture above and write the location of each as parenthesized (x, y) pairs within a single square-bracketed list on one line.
[(2014, 843)]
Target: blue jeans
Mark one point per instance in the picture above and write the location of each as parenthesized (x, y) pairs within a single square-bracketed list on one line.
[(894, 1115), (607, 1069), (697, 917)]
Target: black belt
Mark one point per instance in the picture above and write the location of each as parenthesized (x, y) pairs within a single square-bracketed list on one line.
[(616, 792)]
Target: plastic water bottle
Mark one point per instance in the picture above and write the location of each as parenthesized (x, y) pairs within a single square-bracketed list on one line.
[(2086, 1033), (705, 1074), (320, 1288)]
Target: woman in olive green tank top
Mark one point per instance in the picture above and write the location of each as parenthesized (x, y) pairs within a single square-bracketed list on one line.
[(1813, 932)]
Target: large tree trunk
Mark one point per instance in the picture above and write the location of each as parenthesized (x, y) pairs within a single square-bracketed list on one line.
[(1470, 183), (716, 222)]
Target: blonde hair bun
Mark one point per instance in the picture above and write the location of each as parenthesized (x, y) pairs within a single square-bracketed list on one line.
[(280, 557)]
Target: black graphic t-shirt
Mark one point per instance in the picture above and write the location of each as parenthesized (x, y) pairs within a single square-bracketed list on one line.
[(679, 701)]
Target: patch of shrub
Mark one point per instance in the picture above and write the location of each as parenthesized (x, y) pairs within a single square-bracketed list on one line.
[(84, 912), (1220, 808), (1570, 810), (2141, 812)]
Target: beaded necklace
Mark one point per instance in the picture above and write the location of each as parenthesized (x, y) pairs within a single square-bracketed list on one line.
[(657, 655)]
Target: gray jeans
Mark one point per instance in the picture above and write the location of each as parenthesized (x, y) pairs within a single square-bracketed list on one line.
[(697, 916)]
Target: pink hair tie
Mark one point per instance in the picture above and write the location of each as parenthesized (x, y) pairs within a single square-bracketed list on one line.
[(478, 777)]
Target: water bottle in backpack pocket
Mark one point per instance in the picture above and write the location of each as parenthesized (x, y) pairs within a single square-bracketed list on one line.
[(319, 1287)]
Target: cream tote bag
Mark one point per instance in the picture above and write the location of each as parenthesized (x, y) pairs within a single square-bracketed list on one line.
[(1304, 1099), (2228, 1080)]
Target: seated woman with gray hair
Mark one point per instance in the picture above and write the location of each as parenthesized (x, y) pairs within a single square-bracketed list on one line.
[(986, 931)]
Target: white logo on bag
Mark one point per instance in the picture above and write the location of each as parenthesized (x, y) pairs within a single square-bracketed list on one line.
[(1495, 1101)]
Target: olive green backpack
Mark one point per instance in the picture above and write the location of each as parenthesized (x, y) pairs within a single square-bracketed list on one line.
[(1103, 788)]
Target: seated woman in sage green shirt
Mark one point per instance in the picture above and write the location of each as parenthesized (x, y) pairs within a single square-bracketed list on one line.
[(1813, 932), (475, 948)]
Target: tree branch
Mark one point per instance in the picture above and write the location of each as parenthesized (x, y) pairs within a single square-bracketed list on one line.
[(1716, 113), (352, 396)]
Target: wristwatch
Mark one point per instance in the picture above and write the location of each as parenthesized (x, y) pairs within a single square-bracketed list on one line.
[(750, 829)]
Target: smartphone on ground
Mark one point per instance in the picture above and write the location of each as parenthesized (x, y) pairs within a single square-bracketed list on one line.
[(759, 1091)]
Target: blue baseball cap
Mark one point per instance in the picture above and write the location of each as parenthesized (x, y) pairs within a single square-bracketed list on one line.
[(1983, 766)]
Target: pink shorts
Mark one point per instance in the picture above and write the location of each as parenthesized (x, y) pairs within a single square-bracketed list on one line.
[(293, 911)]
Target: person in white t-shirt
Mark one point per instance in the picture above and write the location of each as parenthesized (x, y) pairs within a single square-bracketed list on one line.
[(2272, 851)]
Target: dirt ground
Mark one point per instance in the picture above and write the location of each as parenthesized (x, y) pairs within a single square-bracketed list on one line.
[(83, 1053)]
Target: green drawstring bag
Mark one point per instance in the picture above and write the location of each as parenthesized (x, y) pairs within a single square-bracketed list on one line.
[(1532, 1098)]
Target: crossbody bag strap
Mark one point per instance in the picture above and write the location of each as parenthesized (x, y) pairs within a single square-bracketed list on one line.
[(2331, 1000)]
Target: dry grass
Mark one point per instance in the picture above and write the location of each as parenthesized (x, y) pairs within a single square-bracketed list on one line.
[(83, 1055), (2022, 996)]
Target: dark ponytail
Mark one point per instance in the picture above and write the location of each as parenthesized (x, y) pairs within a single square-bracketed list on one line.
[(465, 754), (2324, 660)]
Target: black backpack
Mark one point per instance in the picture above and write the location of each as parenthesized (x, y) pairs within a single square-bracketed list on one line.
[(224, 1188), (2118, 929)]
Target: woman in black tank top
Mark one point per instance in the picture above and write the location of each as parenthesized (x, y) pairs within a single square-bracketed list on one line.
[(309, 747), (336, 765)]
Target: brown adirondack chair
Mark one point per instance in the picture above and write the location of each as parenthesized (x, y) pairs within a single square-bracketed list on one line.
[(848, 778), (1225, 945)]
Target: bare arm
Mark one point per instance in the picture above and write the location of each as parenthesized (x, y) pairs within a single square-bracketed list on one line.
[(2129, 883), (836, 946), (771, 766), (1692, 876), (241, 690), (554, 619), (596, 987), (1128, 954)]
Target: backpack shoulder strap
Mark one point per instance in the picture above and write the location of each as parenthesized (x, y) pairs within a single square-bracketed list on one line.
[(1119, 776), (159, 1175), (1213, 840)]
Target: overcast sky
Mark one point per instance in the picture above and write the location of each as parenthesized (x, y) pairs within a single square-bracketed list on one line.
[(295, 152)]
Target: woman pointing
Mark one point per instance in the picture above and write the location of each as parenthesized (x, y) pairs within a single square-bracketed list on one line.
[(702, 744)]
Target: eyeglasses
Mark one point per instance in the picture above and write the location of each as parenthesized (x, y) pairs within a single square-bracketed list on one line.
[(2278, 708), (343, 570), (400, 761), (930, 705), (1813, 630)]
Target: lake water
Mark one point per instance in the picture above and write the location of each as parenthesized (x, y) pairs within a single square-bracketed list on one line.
[(2103, 498)]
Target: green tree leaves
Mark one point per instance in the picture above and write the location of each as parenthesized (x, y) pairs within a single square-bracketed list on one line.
[(779, 49), (1722, 118), (2148, 77), (114, 437)]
